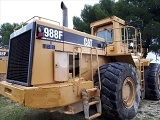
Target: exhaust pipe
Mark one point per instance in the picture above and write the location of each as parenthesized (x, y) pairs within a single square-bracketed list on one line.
[(65, 14)]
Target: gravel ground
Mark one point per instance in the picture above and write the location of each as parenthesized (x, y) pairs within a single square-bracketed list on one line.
[(148, 110)]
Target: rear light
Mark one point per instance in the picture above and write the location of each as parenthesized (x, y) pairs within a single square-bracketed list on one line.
[(40, 33)]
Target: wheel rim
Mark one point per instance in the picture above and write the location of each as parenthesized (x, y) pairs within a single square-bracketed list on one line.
[(159, 81), (128, 92)]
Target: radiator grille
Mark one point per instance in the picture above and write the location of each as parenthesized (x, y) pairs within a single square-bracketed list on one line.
[(19, 58)]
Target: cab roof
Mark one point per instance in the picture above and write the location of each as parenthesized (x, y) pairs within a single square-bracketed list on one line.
[(106, 21)]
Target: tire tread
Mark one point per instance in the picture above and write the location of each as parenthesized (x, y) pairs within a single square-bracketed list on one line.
[(151, 83), (109, 93)]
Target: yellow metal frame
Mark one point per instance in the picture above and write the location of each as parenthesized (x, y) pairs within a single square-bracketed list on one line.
[(45, 96), (3, 62), (3, 65)]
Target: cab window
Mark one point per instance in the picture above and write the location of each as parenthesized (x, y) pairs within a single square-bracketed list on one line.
[(107, 35)]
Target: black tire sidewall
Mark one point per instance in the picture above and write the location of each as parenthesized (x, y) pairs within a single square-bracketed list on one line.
[(131, 112), (114, 107), (156, 82), (152, 77)]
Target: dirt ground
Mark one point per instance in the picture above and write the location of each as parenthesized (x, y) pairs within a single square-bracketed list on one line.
[(148, 110)]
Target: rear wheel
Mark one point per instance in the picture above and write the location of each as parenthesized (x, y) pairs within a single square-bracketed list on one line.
[(120, 93), (152, 82)]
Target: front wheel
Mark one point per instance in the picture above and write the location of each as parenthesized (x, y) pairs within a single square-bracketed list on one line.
[(120, 93)]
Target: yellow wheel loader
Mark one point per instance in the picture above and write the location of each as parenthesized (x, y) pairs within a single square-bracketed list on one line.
[(3, 62), (56, 68)]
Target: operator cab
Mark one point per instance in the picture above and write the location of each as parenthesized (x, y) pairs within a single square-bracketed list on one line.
[(118, 37), (104, 28)]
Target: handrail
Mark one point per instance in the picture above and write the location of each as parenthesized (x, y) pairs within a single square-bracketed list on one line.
[(33, 18), (100, 85), (126, 40), (80, 65)]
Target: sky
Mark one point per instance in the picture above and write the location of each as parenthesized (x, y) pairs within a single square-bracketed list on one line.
[(21, 10), (153, 56)]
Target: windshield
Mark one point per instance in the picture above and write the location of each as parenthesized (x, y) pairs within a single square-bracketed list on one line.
[(106, 34)]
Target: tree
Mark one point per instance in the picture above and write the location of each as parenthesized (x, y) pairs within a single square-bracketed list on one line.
[(152, 35), (88, 14), (5, 30)]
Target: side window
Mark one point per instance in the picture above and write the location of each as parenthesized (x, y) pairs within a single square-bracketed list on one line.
[(109, 35), (124, 34)]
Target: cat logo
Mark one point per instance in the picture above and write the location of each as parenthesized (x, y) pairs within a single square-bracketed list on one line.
[(87, 42)]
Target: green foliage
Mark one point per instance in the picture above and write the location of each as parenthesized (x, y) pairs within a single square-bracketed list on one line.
[(152, 36), (5, 30), (129, 10), (88, 15), (107, 6)]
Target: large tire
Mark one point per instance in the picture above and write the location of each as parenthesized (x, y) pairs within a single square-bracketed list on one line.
[(112, 76), (152, 82)]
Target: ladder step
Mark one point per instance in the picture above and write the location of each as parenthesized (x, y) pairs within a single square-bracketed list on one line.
[(91, 90), (93, 103), (94, 116), (92, 97)]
